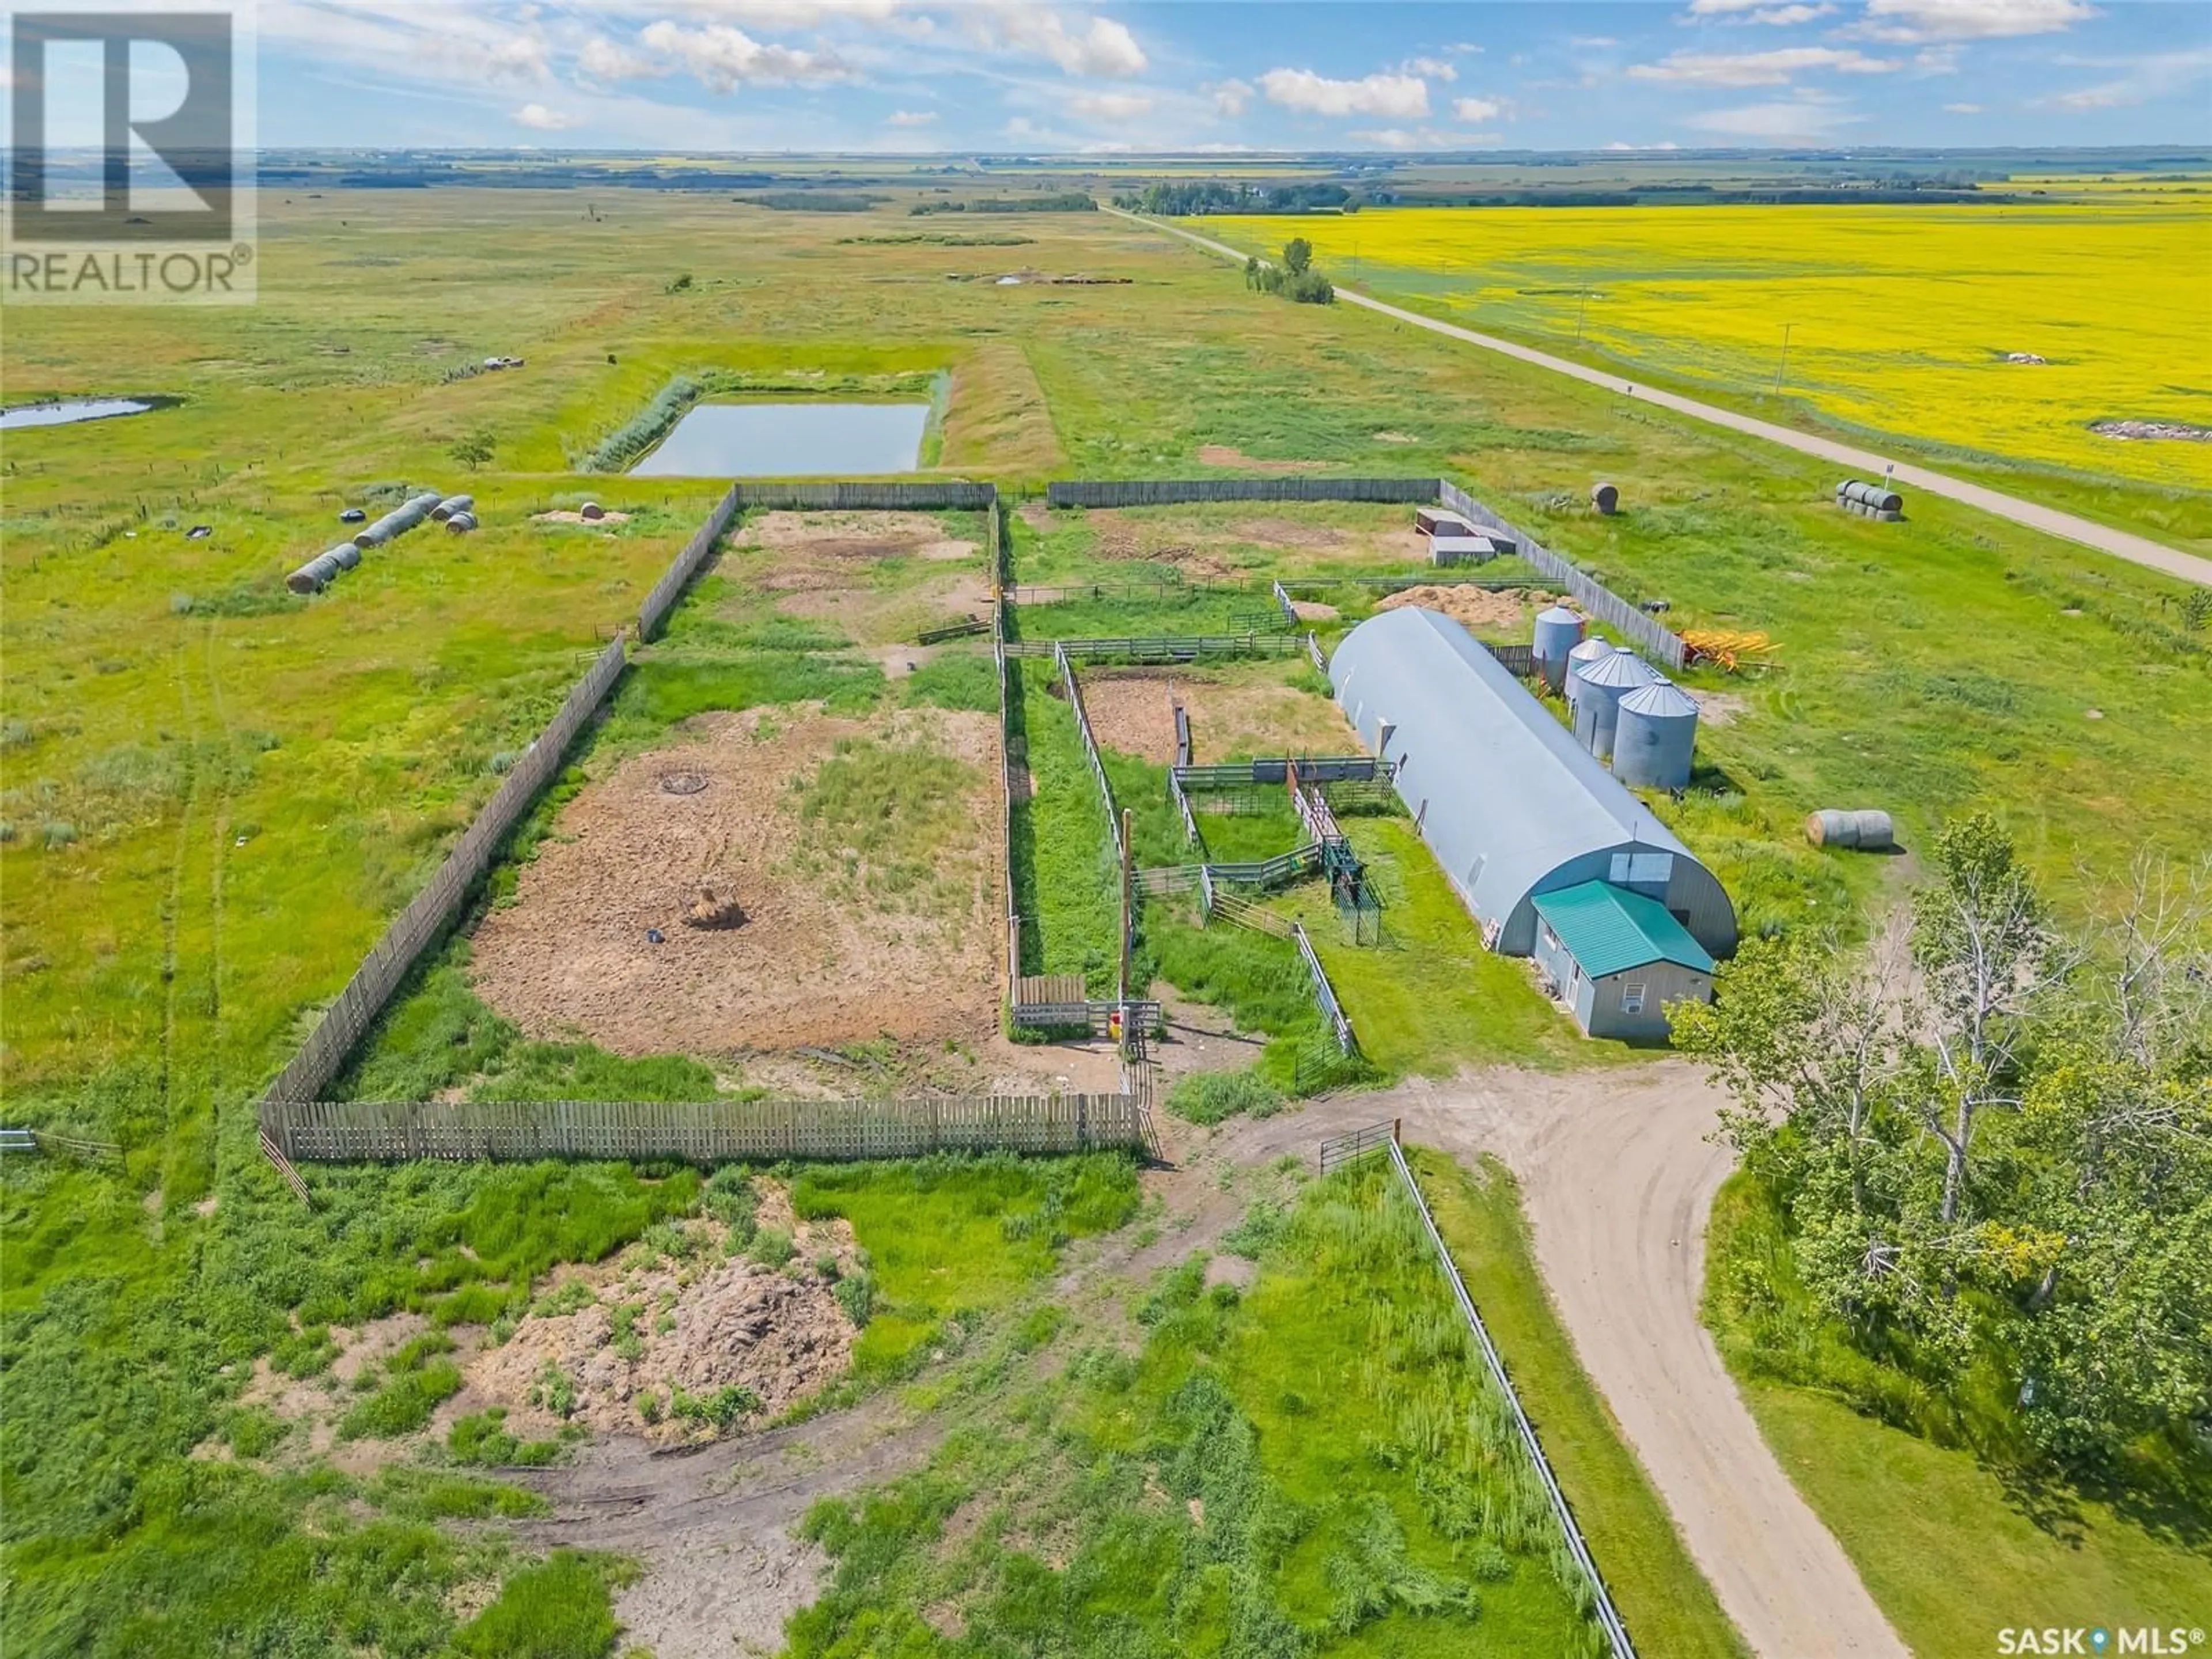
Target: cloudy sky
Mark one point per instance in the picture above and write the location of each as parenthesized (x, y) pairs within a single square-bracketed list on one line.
[(926, 75)]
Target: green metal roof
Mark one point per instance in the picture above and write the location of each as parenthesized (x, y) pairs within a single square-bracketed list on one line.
[(1609, 929)]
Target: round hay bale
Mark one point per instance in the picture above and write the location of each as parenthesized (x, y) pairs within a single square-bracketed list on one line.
[(1605, 498), (591, 510), (714, 908), (1831, 827)]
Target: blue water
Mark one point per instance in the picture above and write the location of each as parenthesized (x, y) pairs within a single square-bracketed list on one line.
[(69, 409), (789, 440)]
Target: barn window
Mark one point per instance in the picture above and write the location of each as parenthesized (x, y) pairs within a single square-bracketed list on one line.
[(1632, 999)]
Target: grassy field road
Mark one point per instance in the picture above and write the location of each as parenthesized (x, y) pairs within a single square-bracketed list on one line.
[(2137, 549)]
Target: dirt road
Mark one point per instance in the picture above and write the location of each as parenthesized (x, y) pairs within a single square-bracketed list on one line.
[(1618, 1175), (2136, 549)]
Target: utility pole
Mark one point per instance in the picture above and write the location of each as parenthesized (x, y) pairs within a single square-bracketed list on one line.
[(1781, 366)]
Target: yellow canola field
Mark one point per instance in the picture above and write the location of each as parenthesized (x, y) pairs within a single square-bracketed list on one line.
[(1899, 318)]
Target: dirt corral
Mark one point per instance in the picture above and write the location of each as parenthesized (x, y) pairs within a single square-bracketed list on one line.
[(825, 566), (1479, 607), (1231, 712), (836, 944)]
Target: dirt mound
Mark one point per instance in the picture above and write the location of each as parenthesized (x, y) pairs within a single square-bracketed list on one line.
[(818, 960), (1477, 607), (712, 1323)]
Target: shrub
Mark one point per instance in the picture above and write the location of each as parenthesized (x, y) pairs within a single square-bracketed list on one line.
[(555, 1390), (723, 1408), (771, 1247), (481, 1438), (731, 1199), (648, 1406)]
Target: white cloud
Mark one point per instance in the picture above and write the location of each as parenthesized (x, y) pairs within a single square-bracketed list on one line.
[(1758, 68), (542, 119), (787, 15), (1110, 105), (1592, 42), (1460, 48), (1420, 138), (601, 59), (1436, 67), (1794, 122), (1096, 45), (910, 117), (1761, 11), (1969, 19), (1619, 147), (1232, 98), (1393, 96), (2150, 76), (1936, 60), (1962, 109), (1476, 111), (723, 57)]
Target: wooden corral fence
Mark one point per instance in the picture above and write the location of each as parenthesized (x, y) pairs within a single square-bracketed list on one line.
[(935, 494), (679, 576), (1090, 752), (372, 983), (1170, 492), (1608, 607), (698, 1131)]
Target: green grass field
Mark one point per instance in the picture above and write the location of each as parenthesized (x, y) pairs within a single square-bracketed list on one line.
[(214, 794)]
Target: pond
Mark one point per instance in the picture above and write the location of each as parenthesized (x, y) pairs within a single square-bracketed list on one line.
[(71, 409), (789, 440)]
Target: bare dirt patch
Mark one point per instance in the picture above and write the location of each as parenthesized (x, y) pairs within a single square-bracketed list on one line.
[(1718, 708), (714, 1322), (1133, 710), (564, 516), (1225, 455), (1314, 611), (1477, 607), (820, 959), (822, 566)]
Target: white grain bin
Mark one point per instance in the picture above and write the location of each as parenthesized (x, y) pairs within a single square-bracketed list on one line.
[(1558, 632), (1597, 704), (1655, 735), (1580, 657)]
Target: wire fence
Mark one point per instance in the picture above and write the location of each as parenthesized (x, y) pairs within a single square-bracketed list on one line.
[(1608, 1616)]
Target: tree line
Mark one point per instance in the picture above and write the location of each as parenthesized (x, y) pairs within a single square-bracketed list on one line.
[(1989, 1141)]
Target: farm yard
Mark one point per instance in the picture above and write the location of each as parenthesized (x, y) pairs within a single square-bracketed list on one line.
[(959, 1398)]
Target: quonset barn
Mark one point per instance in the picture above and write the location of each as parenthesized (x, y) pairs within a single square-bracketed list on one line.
[(1554, 857)]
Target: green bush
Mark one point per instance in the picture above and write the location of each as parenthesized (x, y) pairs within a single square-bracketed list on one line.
[(730, 1198), (771, 1247), (481, 1437)]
